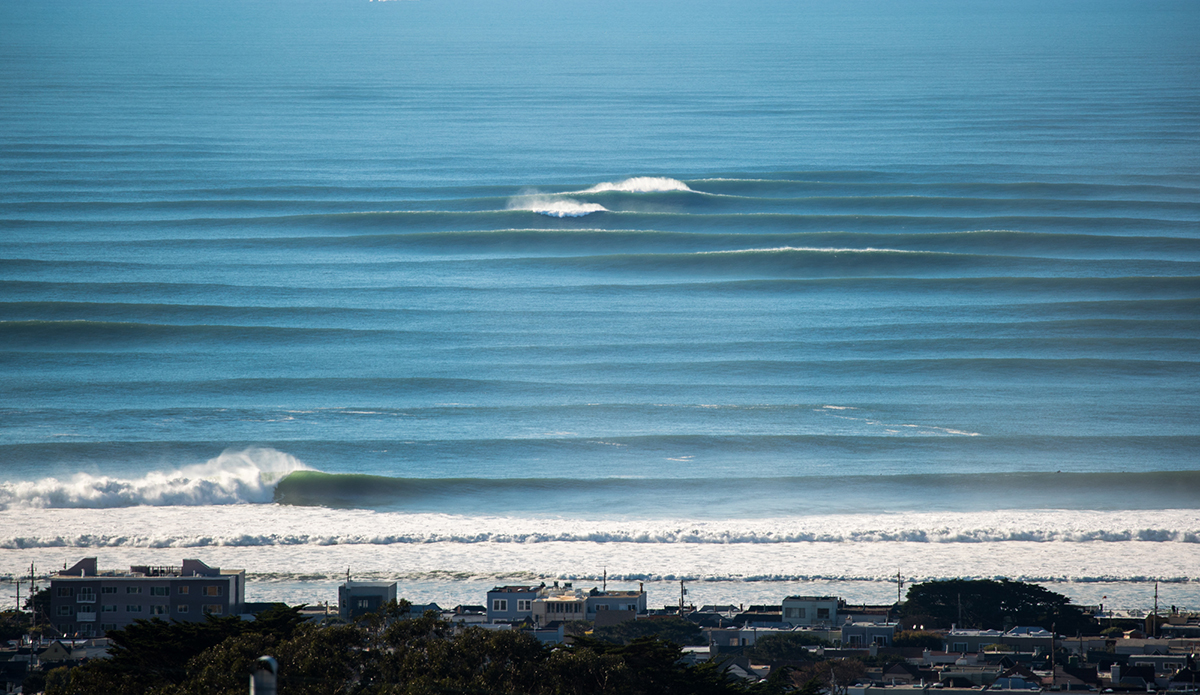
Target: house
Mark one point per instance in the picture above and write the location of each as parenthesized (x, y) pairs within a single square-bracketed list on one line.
[(868, 634), (512, 604), (612, 607), (556, 605), (811, 610), (85, 601), (969, 641), (360, 598)]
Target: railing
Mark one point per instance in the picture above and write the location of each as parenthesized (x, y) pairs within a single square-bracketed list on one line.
[(85, 617), (85, 598)]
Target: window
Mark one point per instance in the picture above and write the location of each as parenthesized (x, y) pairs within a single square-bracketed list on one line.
[(109, 608), (822, 614), (133, 608), (791, 613), (133, 589), (158, 591), (64, 610), (364, 603), (181, 609), (500, 604), (64, 591), (108, 590), (108, 626), (524, 604), (86, 595), (158, 610), (803, 612), (212, 591), (214, 609), (960, 647), (182, 590)]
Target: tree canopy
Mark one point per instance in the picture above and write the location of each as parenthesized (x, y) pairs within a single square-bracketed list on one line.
[(671, 629), (422, 656), (992, 605)]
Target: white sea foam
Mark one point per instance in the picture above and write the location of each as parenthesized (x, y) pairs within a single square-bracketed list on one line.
[(640, 184), (234, 477), (310, 542), (554, 206), (275, 525), (812, 249)]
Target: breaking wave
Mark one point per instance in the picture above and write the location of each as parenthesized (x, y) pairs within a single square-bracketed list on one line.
[(234, 477), (554, 206), (640, 184), (275, 526)]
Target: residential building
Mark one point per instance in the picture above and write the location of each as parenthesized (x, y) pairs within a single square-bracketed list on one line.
[(86, 601), (610, 607), (868, 634), (559, 605), (512, 604), (360, 598), (811, 610)]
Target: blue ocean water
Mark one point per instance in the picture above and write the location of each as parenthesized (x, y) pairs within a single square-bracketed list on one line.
[(593, 264)]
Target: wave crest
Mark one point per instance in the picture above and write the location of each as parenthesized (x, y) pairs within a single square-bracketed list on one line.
[(640, 184), (554, 206), (234, 477)]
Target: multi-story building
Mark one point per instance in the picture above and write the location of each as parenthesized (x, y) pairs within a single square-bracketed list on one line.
[(86, 601), (628, 603), (512, 604), (868, 634), (360, 598), (810, 611), (557, 604)]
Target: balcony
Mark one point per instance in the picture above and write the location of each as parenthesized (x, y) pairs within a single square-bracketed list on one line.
[(85, 598), (85, 617)]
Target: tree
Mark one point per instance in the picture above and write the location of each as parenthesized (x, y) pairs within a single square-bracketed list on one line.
[(783, 647), (150, 654), (675, 630), (13, 624), (994, 605), (918, 638)]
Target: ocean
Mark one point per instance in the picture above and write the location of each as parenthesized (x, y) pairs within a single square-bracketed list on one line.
[(770, 298)]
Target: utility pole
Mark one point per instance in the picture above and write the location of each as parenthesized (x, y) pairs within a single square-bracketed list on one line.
[(32, 603), (1155, 632), (1053, 666), (682, 593)]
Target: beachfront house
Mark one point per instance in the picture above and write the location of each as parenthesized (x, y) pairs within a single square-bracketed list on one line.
[(512, 604)]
